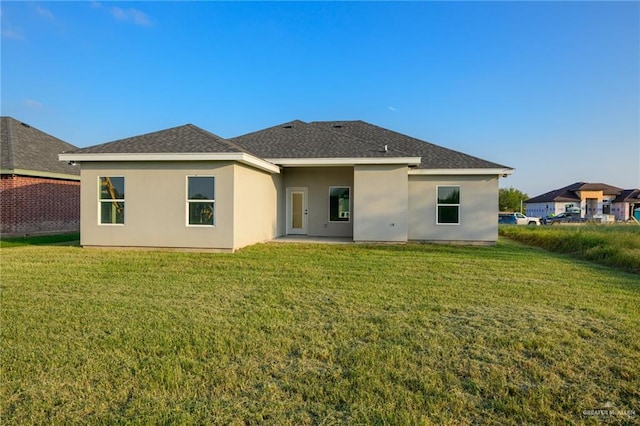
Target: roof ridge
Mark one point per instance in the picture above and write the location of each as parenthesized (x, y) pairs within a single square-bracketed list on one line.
[(437, 146), (350, 136), (108, 143), (285, 124), (225, 140), (337, 121)]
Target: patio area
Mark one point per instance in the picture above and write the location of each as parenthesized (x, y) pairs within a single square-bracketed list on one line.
[(312, 240)]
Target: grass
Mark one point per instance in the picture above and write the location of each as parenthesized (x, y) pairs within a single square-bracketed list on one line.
[(317, 334), (610, 245)]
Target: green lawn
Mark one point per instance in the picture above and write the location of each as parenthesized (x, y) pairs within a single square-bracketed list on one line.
[(317, 334)]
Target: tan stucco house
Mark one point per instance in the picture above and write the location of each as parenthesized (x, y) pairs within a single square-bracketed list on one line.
[(187, 188)]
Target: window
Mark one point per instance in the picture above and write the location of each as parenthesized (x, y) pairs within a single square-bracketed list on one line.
[(112, 200), (200, 200), (339, 204), (448, 205)]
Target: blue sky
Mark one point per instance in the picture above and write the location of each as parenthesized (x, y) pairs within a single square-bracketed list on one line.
[(549, 88)]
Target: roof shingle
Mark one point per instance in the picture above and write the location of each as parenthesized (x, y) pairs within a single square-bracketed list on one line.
[(433, 156), (182, 139), (297, 139), (352, 139), (24, 147)]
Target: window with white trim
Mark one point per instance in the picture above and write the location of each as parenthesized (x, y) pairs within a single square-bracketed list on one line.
[(201, 200), (448, 205), (339, 203), (111, 200)]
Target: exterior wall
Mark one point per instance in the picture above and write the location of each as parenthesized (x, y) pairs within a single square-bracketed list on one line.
[(380, 203), (155, 205), (318, 180), (478, 209), (623, 211), (38, 205), (545, 209), (280, 203), (255, 206), (551, 208), (620, 211), (596, 195)]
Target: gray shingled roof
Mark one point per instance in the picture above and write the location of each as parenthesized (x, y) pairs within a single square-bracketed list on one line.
[(351, 139), (569, 192), (23, 147), (297, 139), (181, 139), (433, 156)]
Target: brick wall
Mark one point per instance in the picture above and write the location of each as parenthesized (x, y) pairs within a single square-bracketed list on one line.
[(34, 205)]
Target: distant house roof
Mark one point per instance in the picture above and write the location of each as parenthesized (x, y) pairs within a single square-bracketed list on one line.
[(353, 139), (628, 196), (606, 189), (26, 150), (571, 192)]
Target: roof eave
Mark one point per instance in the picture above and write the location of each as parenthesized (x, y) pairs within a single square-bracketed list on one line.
[(39, 173), (240, 157), (344, 161), (504, 172)]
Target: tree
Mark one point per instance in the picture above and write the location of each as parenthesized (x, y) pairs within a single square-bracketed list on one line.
[(510, 199)]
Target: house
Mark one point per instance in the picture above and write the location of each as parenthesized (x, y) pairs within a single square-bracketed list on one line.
[(626, 205), (38, 193), (591, 199), (185, 187)]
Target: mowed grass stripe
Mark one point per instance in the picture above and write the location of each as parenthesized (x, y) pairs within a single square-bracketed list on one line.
[(307, 334)]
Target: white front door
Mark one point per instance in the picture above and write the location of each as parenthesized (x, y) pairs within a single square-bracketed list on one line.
[(297, 211)]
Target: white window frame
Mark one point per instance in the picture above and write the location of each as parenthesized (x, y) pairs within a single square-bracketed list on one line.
[(188, 202), (449, 205), (117, 200), (329, 205)]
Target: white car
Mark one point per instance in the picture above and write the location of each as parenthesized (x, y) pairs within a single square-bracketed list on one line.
[(518, 219)]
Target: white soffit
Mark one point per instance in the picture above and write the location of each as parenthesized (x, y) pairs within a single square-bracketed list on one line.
[(240, 157), (346, 161), (496, 171)]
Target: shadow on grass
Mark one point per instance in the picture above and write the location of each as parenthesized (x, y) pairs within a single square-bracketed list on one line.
[(67, 239)]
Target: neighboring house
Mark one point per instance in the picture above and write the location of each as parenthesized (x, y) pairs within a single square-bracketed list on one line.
[(38, 193), (592, 199), (626, 205), (187, 188)]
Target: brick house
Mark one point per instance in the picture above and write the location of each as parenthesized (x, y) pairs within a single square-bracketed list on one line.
[(38, 193)]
